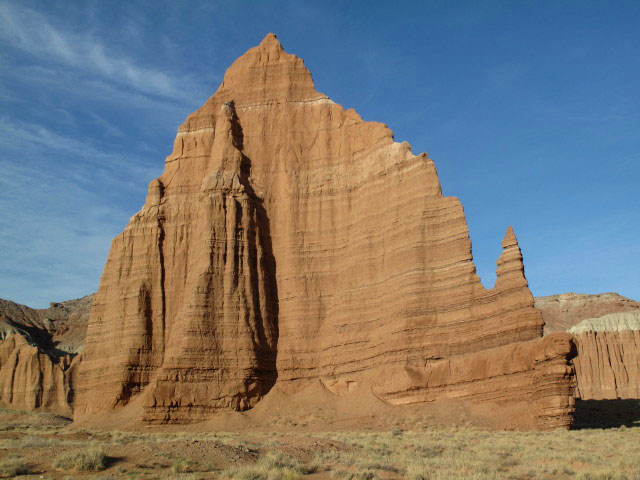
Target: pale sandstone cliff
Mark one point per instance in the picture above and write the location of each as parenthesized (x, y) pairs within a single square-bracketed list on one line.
[(289, 241), (608, 361), (38, 354)]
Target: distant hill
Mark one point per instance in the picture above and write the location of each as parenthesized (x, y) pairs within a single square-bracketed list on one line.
[(561, 312), (57, 330)]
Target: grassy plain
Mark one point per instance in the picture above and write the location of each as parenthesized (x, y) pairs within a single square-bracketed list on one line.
[(45, 446)]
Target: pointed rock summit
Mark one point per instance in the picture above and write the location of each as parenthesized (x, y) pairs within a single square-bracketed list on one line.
[(509, 239), (269, 40), (510, 270), (264, 75), (289, 243)]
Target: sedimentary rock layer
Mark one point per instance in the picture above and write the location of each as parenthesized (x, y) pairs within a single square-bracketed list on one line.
[(33, 380), (608, 361), (537, 372), (59, 329), (289, 241), (38, 354)]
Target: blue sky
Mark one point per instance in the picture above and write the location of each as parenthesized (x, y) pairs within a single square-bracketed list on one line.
[(531, 111)]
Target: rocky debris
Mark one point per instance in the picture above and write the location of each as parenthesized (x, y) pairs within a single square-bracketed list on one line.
[(608, 361), (561, 312), (39, 354)]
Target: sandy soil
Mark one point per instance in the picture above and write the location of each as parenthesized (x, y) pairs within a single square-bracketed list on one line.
[(323, 445)]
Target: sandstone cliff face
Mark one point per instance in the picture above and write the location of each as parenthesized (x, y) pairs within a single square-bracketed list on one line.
[(38, 360), (561, 312), (535, 372), (608, 361), (289, 241), (32, 380)]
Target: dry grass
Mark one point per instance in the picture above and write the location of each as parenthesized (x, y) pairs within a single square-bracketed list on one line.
[(273, 466), (12, 466), (475, 454), (92, 459), (433, 453), (181, 465)]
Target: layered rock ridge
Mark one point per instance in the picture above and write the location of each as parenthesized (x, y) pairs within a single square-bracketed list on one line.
[(289, 241), (221, 351), (536, 372)]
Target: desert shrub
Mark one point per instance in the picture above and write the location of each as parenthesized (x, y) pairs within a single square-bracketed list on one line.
[(181, 465), (93, 459), (12, 466), (273, 466), (278, 460)]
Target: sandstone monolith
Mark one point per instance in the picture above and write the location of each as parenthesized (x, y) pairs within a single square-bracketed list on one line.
[(287, 242)]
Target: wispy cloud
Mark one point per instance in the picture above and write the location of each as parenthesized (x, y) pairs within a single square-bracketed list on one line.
[(77, 120), (40, 147), (34, 34), (110, 130), (58, 235), (60, 198), (63, 89)]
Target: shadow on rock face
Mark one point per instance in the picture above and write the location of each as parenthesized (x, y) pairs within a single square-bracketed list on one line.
[(607, 413)]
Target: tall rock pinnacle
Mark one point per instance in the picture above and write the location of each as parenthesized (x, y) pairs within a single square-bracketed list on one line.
[(510, 267), (289, 242)]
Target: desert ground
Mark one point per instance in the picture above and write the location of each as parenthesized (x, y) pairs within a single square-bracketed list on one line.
[(603, 445)]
